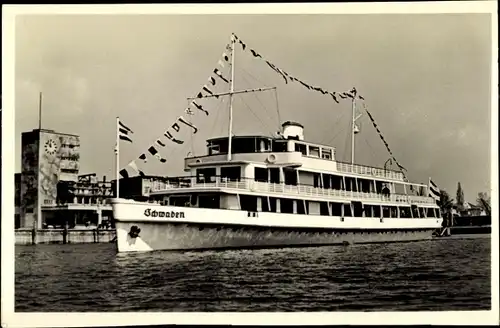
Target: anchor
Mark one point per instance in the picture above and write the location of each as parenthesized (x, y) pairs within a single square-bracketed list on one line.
[(134, 231)]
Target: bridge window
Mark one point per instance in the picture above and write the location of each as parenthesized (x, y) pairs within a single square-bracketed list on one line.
[(279, 146), (326, 153), (231, 173), (205, 175), (314, 151), (301, 148)]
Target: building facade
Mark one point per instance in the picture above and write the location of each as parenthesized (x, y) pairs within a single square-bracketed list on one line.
[(47, 157)]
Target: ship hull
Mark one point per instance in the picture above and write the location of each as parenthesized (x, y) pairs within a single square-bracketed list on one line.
[(194, 229)]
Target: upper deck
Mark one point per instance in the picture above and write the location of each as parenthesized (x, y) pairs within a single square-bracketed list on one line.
[(279, 152)]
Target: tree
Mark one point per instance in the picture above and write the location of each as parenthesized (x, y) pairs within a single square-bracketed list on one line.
[(445, 202), (460, 198), (484, 201)]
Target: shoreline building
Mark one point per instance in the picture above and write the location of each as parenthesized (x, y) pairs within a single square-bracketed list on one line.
[(49, 190)]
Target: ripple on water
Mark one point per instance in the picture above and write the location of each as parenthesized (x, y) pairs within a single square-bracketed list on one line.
[(428, 275)]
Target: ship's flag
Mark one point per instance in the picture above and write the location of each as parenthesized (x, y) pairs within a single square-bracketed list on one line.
[(183, 120), (124, 132), (434, 191), (169, 136), (124, 173), (152, 150), (143, 157)]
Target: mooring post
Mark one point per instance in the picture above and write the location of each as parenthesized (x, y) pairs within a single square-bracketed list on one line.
[(65, 234), (33, 236)]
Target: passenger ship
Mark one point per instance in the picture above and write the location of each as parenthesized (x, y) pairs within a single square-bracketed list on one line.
[(259, 191)]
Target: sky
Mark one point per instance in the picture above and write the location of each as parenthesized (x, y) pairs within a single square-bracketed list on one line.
[(426, 79)]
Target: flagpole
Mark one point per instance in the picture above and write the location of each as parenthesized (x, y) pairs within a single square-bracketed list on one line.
[(231, 100), (117, 154)]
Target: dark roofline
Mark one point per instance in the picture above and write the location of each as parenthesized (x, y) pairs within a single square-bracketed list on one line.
[(50, 131), (241, 137), (292, 123)]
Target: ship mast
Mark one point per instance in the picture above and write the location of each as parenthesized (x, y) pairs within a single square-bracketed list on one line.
[(231, 100), (353, 125)]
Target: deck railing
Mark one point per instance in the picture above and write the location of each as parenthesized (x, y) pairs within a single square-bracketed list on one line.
[(373, 171), (257, 186)]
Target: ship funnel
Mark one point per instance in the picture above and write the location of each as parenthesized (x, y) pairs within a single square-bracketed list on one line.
[(293, 130)]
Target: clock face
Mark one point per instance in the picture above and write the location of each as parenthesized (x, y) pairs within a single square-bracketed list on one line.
[(50, 147)]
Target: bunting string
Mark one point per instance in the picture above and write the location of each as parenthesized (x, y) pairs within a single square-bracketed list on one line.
[(286, 76), (375, 125)]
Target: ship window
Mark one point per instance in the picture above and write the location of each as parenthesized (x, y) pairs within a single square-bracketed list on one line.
[(248, 203), (336, 182), (430, 213), (265, 204), (280, 146), (405, 212), (347, 210), (313, 151), (394, 212), (209, 201), (274, 174), (205, 175), (317, 179), (183, 201), (286, 205), (358, 209), (301, 209), (323, 208), (326, 153), (376, 211), (336, 209), (231, 173), (213, 149), (272, 202), (386, 212), (260, 174), (301, 147), (290, 176), (414, 209)]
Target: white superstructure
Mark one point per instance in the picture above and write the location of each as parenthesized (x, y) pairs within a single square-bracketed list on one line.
[(260, 191)]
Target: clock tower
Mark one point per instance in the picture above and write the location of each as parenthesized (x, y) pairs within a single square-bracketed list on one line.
[(47, 157)]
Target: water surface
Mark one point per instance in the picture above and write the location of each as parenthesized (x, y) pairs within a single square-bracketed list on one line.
[(445, 274)]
